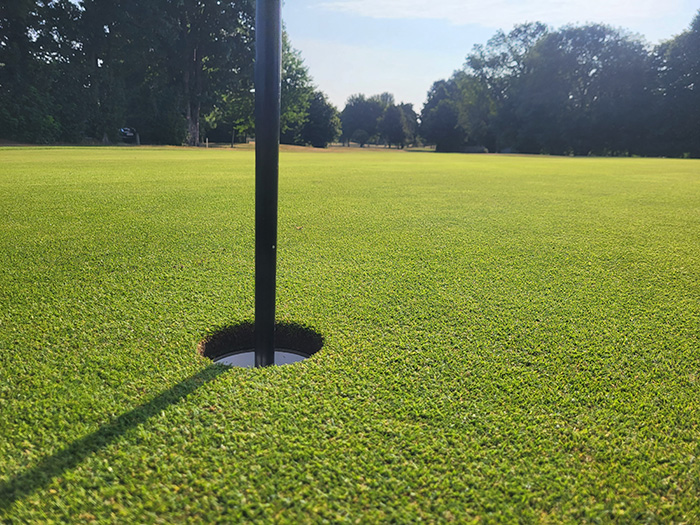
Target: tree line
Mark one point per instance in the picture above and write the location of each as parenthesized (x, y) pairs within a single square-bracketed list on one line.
[(171, 71), (177, 71), (579, 90)]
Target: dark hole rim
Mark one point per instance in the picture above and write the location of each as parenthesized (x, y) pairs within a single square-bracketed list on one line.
[(235, 339)]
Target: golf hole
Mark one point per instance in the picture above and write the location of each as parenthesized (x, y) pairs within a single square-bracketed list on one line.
[(235, 345)]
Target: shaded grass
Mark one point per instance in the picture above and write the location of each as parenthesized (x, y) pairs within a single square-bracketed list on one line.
[(505, 338)]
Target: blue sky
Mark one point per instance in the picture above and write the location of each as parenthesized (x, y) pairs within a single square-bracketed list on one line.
[(403, 46)]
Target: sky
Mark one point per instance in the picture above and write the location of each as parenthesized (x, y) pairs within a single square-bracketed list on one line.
[(403, 46)]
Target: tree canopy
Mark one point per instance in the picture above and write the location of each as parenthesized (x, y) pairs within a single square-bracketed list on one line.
[(174, 70), (581, 90), (177, 71), (379, 120)]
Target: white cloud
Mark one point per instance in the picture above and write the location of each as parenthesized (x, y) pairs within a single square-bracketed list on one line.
[(506, 13)]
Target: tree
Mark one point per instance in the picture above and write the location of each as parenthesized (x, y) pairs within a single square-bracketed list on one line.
[(411, 122), (297, 92), (582, 91), (393, 126), (83, 69), (477, 107), (98, 62), (440, 126), (383, 99), (362, 113), (232, 117), (361, 137), (323, 123), (678, 67), (212, 42), (171, 59), (233, 111), (503, 58), (26, 106), (100, 65), (489, 84), (440, 119)]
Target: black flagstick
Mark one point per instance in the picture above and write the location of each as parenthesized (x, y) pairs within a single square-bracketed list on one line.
[(268, 73)]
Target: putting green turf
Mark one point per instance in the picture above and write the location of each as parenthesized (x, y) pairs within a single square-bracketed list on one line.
[(506, 338)]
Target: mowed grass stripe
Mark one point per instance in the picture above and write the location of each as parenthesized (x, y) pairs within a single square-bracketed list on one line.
[(506, 338)]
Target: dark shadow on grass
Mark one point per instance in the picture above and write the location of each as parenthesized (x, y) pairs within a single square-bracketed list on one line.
[(49, 468), (297, 337)]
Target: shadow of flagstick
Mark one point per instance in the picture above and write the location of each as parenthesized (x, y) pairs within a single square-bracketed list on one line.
[(49, 468)]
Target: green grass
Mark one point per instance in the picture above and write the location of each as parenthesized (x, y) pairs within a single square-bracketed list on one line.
[(506, 339)]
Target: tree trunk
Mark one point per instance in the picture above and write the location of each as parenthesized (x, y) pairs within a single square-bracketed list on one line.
[(193, 123), (193, 89)]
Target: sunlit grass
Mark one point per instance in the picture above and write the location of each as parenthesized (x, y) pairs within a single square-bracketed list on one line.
[(505, 338)]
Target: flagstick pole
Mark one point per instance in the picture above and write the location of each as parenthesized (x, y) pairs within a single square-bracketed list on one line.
[(268, 67)]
